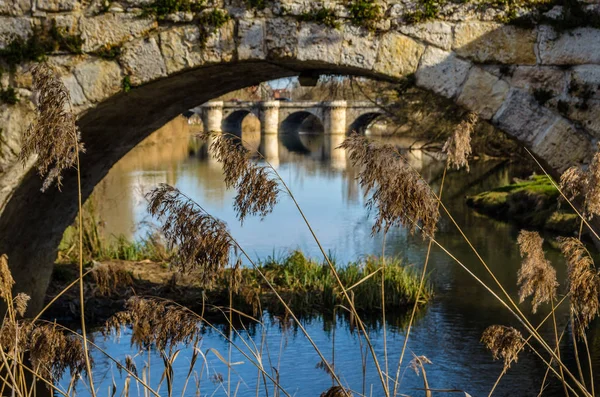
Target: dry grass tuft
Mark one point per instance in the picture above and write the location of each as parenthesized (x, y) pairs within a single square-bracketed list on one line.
[(458, 145), (575, 182), (202, 241), (54, 136), (504, 342), (155, 323), (399, 194), (584, 283), (110, 277), (257, 190), (536, 276)]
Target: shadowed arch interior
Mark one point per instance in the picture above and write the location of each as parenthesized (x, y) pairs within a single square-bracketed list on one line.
[(233, 123), (363, 122)]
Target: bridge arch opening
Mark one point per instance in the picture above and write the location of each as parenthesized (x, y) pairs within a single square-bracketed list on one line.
[(302, 123), (364, 122)]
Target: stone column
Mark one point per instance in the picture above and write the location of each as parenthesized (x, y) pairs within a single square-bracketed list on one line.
[(335, 155), (269, 117), (269, 147), (335, 117), (212, 116)]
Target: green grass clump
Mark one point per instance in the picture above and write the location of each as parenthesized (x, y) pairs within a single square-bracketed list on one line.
[(426, 10), (161, 8), (324, 16), (126, 84), (109, 52), (256, 4), (8, 96), (210, 22), (365, 13)]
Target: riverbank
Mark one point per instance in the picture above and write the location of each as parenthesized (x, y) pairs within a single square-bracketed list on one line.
[(531, 203), (306, 285)]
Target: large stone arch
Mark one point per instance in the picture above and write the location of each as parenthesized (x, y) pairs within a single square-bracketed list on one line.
[(292, 121), (361, 123), (232, 122), (493, 69)]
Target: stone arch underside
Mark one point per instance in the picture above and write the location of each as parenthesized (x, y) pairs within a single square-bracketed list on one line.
[(362, 122), (232, 123), (171, 71)]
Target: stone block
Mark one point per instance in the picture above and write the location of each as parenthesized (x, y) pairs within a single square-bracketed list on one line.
[(181, 48), (576, 47), (282, 38), (562, 145), (220, 45), (319, 43), (398, 55), (57, 5), (15, 7), (442, 72), (251, 39), (533, 78), (99, 79), (586, 78), (113, 29), (437, 33), (483, 93), (143, 60), (11, 28), (359, 47), (75, 91), (492, 42)]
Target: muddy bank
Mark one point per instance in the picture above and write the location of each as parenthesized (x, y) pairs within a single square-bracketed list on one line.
[(532, 203)]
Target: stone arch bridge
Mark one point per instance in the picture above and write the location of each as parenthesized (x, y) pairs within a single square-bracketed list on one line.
[(536, 84), (336, 117)]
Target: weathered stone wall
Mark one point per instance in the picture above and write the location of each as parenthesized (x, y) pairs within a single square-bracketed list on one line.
[(537, 85)]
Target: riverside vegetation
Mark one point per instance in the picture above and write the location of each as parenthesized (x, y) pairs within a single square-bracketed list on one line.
[(199, 245)]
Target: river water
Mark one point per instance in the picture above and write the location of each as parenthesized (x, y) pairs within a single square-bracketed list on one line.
[(447, 331)]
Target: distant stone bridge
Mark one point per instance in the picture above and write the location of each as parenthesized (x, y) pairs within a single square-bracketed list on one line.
[(538, 85), (336, 117)]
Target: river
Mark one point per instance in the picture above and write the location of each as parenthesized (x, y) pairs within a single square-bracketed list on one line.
[(447, 330)]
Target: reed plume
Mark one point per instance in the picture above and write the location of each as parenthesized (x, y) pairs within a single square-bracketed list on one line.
[(458, 146), (53, 136), (504, 342), (583, 284), (6, 279), (336, 391), (257, 190), (155, 323), (20, 302), (202, 241), (397, 192), (576, 182), (536, 276)]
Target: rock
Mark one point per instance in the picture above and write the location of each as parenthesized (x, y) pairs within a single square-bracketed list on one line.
[(251, 39), (562, 145), (587, 113), (181, 48), (398, 55), (483, 93), (57, 5), (11, 28), (220, 45), (359, 47), (523, 118), (143, 60), (442, 72), (99, 79), (319, 43), (113, 29), (77, 96), (533, 78), (437, 33), (576, 47), (493, 42), (586, 76), (15, 7), (282, 38)]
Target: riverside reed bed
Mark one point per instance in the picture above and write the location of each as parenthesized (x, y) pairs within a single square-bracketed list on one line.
[(399, 197)]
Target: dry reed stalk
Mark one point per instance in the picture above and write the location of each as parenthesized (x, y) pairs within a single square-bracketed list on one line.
[(583, 284), (504, 342), (202, 241), (397, 191), (53, 136), (536, 276), (458, 145), (110, 277)]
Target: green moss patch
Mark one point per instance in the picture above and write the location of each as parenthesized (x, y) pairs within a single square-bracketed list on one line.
[(323, 16), (531, 203), (161, 8)]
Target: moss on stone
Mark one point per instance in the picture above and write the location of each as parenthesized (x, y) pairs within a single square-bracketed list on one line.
[(161, 8), (210, 22), (8, 96), (324, 16), (426, 10), (365, 13), (109, 51), (530, 203)]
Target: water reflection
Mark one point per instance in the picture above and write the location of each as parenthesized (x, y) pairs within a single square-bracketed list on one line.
[(325, 185)]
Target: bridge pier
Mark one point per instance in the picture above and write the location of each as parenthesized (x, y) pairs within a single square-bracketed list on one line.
[(269, 147), (334, 114), (212, 116), (269, 117)]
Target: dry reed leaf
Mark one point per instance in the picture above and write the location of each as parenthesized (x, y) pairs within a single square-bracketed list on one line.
[(397, 191), (458, 145), (536, 276), (53, 136), (156, 323), (257, 189), (202, 241), (584, 283), (504, 342)]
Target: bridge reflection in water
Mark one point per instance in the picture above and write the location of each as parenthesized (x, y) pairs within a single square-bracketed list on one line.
[(175, 156)]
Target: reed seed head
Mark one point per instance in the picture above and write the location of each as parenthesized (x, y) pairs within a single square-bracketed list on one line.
[(336, 391), (504, 342), (257, 189), (536, 276), (20, 302), (418, 363), (53, 136), (6, 279), (584, 283), (458, 146), (156, 323), (575, 182), (592, 196), (397, 191), (202, 241)]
